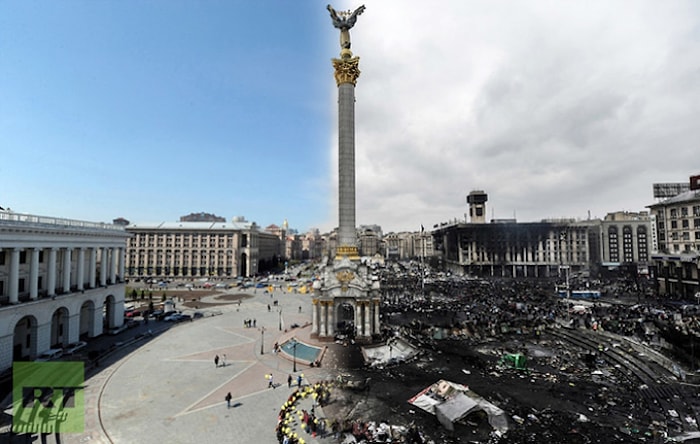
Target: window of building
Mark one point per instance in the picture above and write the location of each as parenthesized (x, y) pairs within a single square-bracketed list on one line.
[(674, 224), (627, 244), (642, 244), (685, 224), (684, 211), (696, 211), (612, 242), (674, 213)]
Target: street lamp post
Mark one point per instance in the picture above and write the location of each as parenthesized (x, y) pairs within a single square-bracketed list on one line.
[(262, 340), (294, 354), (562, 237), (280, 313)]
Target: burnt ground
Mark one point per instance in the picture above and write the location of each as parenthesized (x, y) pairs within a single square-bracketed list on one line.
[(569, 395)]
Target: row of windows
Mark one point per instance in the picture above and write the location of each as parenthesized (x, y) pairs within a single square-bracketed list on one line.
[(184, 236), (684, 212), (676, 248), (685, 224), (683, 235), (627, 245), (169, 239)]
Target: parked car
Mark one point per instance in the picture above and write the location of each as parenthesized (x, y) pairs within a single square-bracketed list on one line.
[(117, 330), (132, 313), (198, 314), (131, 323), (164, 315), (74, 347), (172, 317), (156, 313), (50, 355), (185, 317)]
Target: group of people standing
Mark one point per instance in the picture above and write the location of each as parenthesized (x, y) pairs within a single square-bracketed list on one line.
[(220, 360)]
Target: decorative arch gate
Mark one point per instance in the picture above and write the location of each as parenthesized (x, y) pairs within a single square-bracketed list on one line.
[(346, 302)]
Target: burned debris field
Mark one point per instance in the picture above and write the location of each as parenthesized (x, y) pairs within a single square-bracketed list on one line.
[(600, 372)]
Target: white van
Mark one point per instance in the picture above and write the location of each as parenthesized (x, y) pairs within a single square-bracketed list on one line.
[(50, 355)]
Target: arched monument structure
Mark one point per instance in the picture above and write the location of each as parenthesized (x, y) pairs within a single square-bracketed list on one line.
[(347, 297)]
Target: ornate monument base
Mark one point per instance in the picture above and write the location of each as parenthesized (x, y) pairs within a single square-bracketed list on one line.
[(351, 252), (346, 301)]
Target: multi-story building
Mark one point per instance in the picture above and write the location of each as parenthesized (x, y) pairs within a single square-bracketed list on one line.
[(312, 245), (370, 242), (400, 246), (625, 240), (678, 236), (199, 249), (511, 249), (60, 280)]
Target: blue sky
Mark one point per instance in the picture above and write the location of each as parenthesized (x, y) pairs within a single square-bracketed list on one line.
[(150, 110)]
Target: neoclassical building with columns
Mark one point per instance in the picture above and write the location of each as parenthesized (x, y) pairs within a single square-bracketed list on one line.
[(60, 280)]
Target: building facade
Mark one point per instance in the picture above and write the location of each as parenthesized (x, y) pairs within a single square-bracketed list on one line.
[(511, 249), (677, 226), (60, 280), (626, 239), (172, 250)]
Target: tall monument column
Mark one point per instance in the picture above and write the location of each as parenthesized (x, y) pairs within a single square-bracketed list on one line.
[(345, 281), (346, 73)]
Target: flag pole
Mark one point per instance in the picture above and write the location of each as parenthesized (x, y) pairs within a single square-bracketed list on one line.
[(422, 262)]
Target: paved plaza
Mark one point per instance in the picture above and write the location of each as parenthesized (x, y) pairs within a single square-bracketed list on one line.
[(170, 389)]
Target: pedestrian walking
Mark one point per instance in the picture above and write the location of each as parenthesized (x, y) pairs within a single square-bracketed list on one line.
[(299, 378), (271, 381), (228, 400), (216, 360), (289, 381)]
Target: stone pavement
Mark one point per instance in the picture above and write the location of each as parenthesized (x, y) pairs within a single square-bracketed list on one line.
[(169, 389)]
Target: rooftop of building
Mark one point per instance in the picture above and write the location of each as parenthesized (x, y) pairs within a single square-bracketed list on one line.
[(8, 217), (685, 197), (194, 226)]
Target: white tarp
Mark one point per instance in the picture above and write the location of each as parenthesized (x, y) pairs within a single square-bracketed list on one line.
[(451, 402), (395, 350)]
